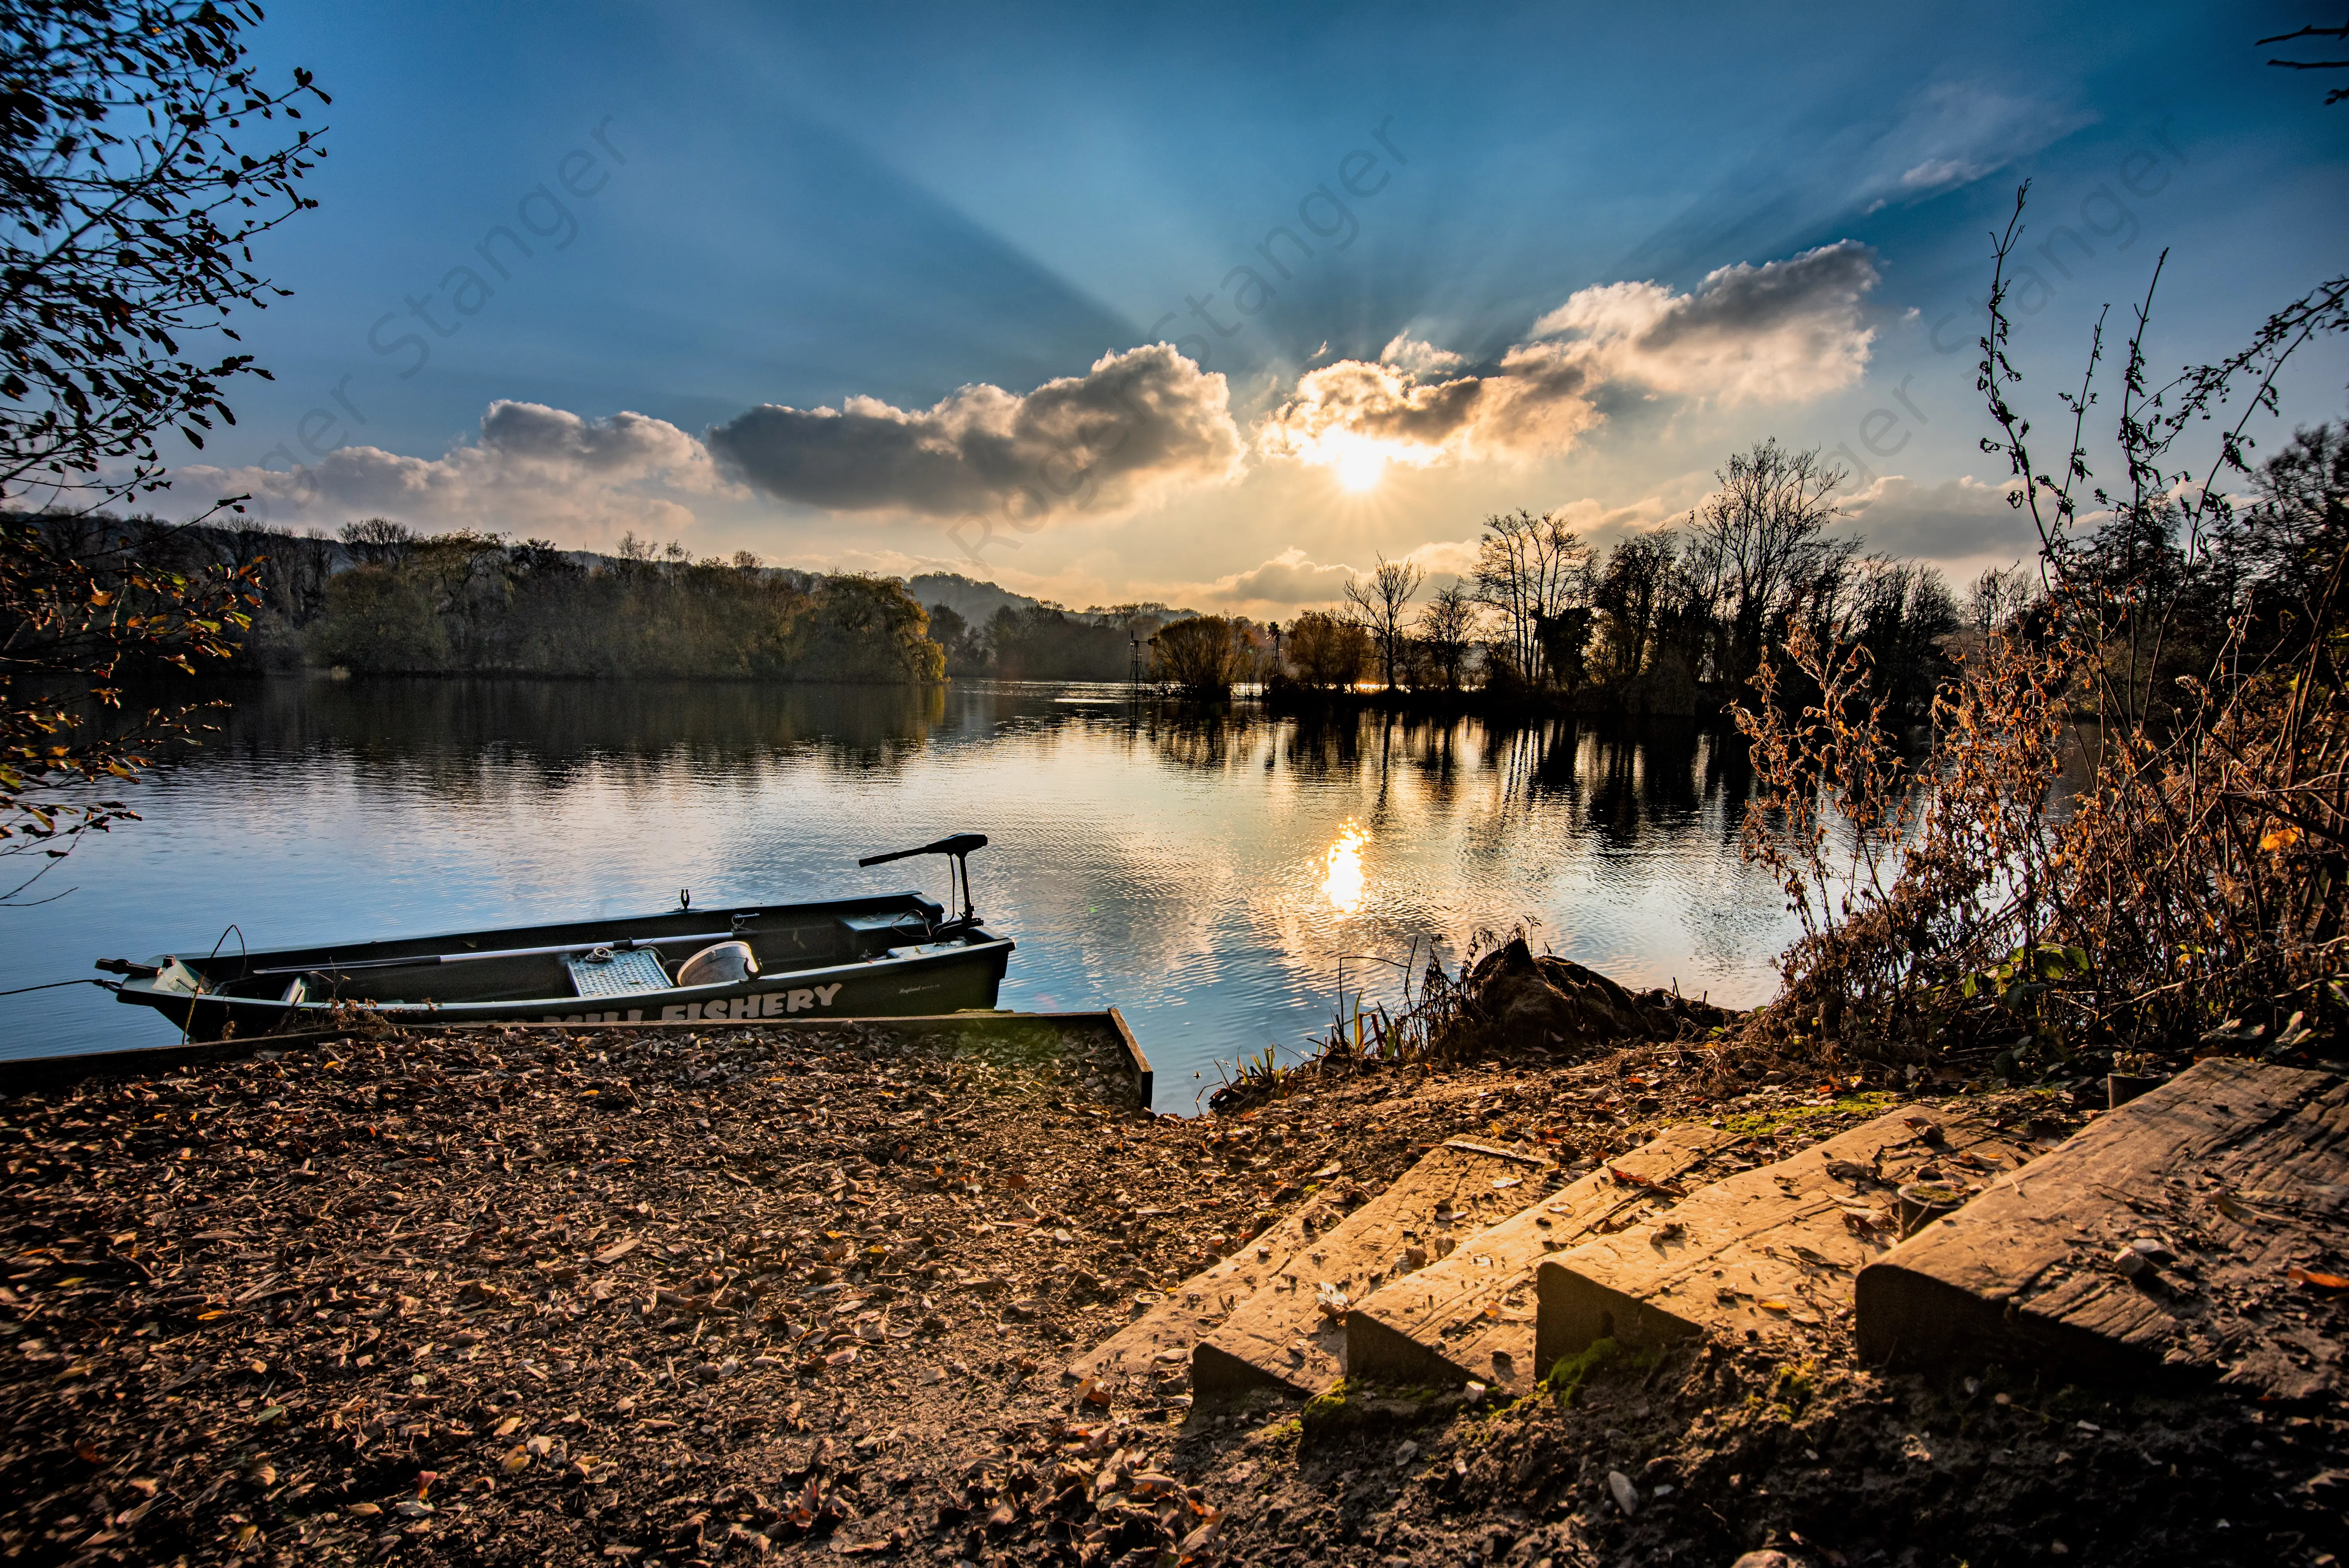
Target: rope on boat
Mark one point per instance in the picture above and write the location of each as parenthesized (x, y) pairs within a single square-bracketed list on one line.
[(55, 984)]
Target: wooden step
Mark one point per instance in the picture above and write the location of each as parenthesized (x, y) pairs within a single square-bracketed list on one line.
[(1470, 1316), (2235, 1173), (1287, 1335), (1163, 1336), (1765, 1252)]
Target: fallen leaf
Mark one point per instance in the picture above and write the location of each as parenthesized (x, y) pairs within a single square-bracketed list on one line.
[(1632, 1179), (2321, 1281)]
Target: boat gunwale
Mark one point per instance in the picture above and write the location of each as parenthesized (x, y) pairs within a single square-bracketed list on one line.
[(431, 947), (758, 984)]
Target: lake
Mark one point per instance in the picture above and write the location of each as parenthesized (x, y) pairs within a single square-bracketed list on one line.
[(1209, 871)]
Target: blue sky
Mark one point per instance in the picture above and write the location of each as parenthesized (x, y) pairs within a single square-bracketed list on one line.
[(812, 266)]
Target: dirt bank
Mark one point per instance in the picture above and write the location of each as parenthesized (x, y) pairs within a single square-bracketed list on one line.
[(659, 1297)]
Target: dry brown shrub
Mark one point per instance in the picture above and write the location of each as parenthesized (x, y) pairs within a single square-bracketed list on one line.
[(2188, 659)]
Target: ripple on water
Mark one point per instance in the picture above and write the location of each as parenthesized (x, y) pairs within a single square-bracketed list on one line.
[(1141, 856)]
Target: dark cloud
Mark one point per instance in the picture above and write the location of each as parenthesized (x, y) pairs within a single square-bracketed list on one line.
[(1135, 424)]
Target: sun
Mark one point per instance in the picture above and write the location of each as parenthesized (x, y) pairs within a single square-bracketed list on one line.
[(1342, 881), (1361, 467)]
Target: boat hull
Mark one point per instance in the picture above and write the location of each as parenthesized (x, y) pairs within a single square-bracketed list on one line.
[(868, 959)]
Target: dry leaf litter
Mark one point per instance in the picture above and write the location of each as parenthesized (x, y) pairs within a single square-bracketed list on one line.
[(659, 1297)]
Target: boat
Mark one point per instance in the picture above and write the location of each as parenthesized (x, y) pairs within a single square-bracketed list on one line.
[(886, 955)]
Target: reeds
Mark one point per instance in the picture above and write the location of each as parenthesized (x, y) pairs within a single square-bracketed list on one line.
[(1428, 1028)]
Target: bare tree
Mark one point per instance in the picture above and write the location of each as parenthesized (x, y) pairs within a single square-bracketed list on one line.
[(1329, 651), (130, 190), (1530, 570), (1996, 596), (1447, 628), (1629, 596), (1382, 598), (1756, 549), (2312, 31), (134, 172), (1203, 654)]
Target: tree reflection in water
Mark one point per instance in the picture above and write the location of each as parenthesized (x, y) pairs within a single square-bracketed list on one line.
[(1176, 860)]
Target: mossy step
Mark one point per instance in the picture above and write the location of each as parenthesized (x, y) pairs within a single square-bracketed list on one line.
[(1470, 1315), (1287, 1335), (1768, 1251)]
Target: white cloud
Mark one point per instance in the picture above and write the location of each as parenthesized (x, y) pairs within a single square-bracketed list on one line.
[(1939, 173), (1955, 133), (1288, 578), (1294, 580), (1355, 411), (1410, 354), (1784, 331), (1137, 426), (1957, 519), (533, 470), (1444, 560)]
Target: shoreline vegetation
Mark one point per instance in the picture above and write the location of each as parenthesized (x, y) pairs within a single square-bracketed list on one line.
[(383, 600), (1670, 624)]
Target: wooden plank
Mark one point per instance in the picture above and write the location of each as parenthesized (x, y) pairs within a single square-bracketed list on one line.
[(1765, 1252), (1145, 1077), (1470, 1316), (1282, 1336), (26, 1074), (2233, 1173), (1163, 1336)]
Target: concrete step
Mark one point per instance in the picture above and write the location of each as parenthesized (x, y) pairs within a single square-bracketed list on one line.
[(1767, 1252), (1470, 1316), (2218, 1184), (1287, 1335)]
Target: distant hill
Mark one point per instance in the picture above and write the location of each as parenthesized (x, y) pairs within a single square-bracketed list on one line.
[(975, 602)]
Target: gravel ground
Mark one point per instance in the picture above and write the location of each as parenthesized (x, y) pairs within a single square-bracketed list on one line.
[(659, 1297)]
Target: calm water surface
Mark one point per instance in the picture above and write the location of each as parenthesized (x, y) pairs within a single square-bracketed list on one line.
[(1206, 872)]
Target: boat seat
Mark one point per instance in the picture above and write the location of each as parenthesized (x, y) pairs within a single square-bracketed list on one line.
[(719, 964), (608, 972), (920, 949)]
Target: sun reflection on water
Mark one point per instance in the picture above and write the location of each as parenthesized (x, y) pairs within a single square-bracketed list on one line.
[(1341, 883)]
